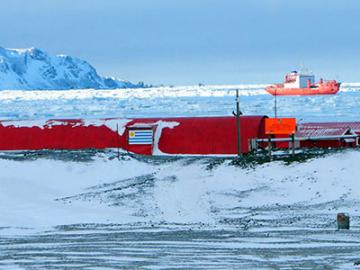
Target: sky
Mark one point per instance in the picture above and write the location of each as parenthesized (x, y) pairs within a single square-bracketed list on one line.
[(183, 42)]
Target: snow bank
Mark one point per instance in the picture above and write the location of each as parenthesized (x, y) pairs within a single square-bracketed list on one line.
[(47, 192)]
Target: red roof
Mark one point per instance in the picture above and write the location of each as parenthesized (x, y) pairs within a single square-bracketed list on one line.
[(327, 129)]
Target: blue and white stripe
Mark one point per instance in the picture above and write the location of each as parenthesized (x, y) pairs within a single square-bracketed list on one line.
[(141, 136)]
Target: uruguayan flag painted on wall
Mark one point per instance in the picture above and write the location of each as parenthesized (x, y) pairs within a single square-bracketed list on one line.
[(140, 136)]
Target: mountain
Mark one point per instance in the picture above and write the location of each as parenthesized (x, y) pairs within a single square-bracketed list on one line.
[(35, 69)]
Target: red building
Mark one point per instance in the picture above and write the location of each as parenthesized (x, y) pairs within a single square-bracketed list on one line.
[(148, 136), (329, 134), (167, 136)]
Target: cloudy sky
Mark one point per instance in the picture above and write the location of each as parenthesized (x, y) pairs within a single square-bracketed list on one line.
[(191, 41)]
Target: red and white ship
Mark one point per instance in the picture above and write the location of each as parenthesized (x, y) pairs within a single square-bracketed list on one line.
[(303, 85)]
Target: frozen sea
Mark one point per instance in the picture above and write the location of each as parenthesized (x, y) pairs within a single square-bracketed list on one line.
[(110, 210), (177, 101)]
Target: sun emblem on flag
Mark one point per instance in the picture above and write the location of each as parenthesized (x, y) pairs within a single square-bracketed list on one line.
[(132, 134)]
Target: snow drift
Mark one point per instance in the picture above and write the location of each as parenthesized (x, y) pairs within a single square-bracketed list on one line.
[(50, 192)]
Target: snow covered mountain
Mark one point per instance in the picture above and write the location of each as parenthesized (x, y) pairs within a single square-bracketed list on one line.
[(35, 69)]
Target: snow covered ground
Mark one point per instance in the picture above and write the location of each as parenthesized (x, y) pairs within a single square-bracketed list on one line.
[(185, 190), (88, 211), (91, 210)]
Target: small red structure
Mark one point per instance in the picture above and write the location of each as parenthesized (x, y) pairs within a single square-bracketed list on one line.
[(280, 126), (354, 126), (331, 134), (319, 135)]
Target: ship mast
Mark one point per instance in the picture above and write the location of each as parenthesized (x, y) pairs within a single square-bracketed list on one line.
[(275, 104)]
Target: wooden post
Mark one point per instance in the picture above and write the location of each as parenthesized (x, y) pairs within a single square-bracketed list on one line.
[(293, 145), (269, 147), (343, 221)]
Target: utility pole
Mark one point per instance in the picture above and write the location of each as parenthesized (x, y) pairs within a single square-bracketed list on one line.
[(275, 105), (238, 130)]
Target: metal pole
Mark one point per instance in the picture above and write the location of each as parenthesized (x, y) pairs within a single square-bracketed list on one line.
[(275, 105), (238, 129), (315, 138)]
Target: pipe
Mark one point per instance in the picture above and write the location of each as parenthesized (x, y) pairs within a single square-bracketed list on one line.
[(318, 138)]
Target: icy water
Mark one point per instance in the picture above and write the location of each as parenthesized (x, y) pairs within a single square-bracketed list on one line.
[(177, 101)]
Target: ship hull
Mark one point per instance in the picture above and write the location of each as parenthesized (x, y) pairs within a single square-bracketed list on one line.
[(327, 89)]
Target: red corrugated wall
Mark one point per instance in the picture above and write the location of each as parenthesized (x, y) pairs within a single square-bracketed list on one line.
[(58, 137), (193, 135), (210, 135)]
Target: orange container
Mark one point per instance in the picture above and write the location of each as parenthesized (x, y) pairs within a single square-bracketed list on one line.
[(280, 126)]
